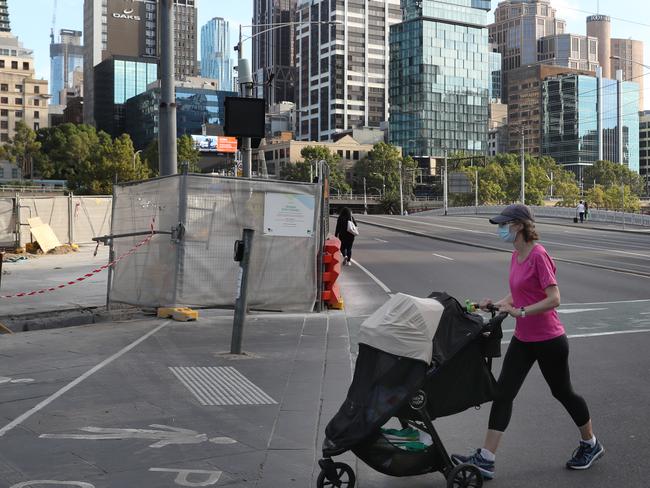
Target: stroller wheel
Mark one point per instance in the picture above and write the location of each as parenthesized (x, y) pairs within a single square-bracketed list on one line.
[(342, 474), (465, 476)]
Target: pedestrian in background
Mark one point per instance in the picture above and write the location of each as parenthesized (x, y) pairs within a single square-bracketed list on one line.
[(586, 210), (539, 336), (581, 211), (346, 231)]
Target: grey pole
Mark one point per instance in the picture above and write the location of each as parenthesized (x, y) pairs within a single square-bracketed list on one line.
[(167, 159), (401, 191), (365, 200), (476, 190), (241, 301), (619, 115), (523, 170), (445, 190)]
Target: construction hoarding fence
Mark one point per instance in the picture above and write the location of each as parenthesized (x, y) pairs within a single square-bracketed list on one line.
[(196, 267), (74, 219)]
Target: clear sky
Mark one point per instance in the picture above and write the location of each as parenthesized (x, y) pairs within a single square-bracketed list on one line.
[(31, 20)]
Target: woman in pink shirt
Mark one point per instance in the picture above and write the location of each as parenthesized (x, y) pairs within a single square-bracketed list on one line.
[(539, 337)]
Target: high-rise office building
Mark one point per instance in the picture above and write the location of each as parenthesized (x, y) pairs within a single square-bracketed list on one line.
[(131, 28), (496, 82), (570, 50), (627, 55), (66, 57), (644, 148), (5, 26), (524, 102), (600, 27), (518, 24), (439, 77), (116, 80), (342, 68), (585, 119), (274, 50), (216, 52)]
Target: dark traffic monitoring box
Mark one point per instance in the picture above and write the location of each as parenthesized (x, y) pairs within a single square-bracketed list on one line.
[(244, 117)]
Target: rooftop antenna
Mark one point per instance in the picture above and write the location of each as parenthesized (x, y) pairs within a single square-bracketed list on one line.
[(53, 22)]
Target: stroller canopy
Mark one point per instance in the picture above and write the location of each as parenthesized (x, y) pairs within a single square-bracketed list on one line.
[(404, 326)]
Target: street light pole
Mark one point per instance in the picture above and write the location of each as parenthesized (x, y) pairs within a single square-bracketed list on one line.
[(365, 201), (401, 192), (445, 194), (523, 171), (168, 157), (476, 189)]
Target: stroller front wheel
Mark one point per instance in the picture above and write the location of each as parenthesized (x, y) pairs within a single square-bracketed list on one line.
[(338, 475), (465, 476)]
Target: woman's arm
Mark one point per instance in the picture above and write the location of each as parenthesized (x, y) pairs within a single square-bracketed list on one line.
[(507, 300), (551, 301)]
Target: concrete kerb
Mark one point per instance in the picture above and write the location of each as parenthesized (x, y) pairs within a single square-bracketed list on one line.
[(492, 248), (58, 319)]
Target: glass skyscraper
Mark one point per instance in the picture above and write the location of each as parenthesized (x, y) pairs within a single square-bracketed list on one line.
[(440, 77), (195, 107), (216, 61), (571, 118), (66, 57)]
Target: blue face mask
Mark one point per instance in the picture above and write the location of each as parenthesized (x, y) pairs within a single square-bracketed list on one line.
[(506, 234)]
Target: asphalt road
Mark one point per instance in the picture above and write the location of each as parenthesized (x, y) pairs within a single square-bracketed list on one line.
[(606, 314)]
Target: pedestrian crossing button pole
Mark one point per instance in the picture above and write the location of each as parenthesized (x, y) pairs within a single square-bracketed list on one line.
[(243, 249)]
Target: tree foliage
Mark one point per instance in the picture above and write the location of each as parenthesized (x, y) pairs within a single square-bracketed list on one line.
[(305, 169), (185, 151), (381, 169), (23, 149)]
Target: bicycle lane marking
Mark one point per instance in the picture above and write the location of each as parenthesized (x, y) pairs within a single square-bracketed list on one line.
[(19, 420)]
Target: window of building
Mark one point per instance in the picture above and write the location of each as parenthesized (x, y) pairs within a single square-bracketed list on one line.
[(2, 172), (19, 114), (4, 100), (2, 63), (4, 112), (4, 87), (37, 89), (355, 155), (19, 88), (19, 101), (26, 66), (4, 124), (37, 125), (14, 65), (14, 173), (37, 102), (37, 115), (347, 154), (4, 137)]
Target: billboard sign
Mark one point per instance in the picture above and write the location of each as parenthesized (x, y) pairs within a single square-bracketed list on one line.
[(126, 28), (215, 144)]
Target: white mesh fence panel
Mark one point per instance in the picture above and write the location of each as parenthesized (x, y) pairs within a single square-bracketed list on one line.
[(215, 210), (91, 217), (7, 222)]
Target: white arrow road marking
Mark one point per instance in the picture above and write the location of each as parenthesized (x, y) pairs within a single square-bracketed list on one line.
[(183, 474), (166, 436), (580, 310), (5, 379)]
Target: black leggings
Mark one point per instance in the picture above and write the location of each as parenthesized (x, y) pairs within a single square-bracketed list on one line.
[(346, 248), (553, 359)]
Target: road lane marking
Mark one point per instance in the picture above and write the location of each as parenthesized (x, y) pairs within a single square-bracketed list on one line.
[(443, 257), (599, 334), (579, 310), (380, 240), (607, 303), (19, 420), (373, 277), (581, 246), (437, 225), (183, 475)]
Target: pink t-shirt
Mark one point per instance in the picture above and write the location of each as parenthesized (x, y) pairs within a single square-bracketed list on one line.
[(528, 280)]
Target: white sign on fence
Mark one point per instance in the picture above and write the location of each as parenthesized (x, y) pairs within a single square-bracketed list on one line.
[(289, 215)]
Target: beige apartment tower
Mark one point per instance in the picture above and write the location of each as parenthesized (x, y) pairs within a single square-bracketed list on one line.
[(23, 98)]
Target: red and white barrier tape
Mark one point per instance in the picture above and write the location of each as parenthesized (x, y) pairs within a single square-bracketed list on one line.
[(86, 276)]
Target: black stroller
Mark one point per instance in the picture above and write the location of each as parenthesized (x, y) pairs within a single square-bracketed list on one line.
[(419, 359)]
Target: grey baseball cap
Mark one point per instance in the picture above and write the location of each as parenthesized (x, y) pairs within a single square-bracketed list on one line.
[(516, 211)]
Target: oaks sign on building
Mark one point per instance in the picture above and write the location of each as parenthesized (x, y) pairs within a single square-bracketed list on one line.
[(126, 27)]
